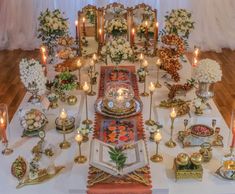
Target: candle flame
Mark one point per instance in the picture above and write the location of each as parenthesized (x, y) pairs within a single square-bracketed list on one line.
[(133, 30), (173, 113), (79, 63), (146, 23), (196, 52), (43, 49), (2, 120), (157, 24), (83, 19), (76, 23), (100, 31)]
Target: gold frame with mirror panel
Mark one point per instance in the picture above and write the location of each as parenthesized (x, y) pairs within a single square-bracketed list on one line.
[(88, 26), (144, 33)]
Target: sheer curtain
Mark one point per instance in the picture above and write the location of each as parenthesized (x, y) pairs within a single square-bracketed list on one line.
[(214, 29)]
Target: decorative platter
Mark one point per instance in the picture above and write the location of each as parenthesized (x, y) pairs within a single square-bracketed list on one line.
[(99, 108), (201, 130), (69, 125), (33, 121), (226, 174)]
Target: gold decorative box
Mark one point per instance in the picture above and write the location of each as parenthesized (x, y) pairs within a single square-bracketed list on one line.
[(188, 172)]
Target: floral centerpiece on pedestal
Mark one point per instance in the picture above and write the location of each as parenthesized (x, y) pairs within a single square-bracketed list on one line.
[(118, 50), (33, 77), (142, 73), (205, 73), (116, 27), (52, 25), (179, 22)]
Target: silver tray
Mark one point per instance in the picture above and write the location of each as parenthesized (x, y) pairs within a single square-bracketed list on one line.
[(138, 109), (220, 173)]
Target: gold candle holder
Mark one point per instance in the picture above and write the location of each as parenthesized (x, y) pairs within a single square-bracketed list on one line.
[(157, 84), (145, 65), (79, 66), (86, 89), (80, 158), (92, 92), (64, 144), (157, 138), (150, 122), (171, 143)]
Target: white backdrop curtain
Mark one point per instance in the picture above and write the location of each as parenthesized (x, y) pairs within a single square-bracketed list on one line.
[(214, 29)]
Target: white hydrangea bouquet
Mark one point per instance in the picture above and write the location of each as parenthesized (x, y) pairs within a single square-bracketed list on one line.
[(52, 26), (207, 71), (116, 27), (118, 49), (179, 22), (32, 74)]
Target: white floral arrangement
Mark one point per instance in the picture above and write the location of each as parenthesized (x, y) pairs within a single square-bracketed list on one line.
[(31, 72), (179, 22), (207, 71), (197, 102), (148, 12), (52, 25), (118, 49), (117, 10), (142, 27), (116, 27), (84, 130)]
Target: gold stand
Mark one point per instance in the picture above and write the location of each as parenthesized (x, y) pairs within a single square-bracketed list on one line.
[(156, 157), (65, 144), (79, 79), (91, 93), (150, 122), (171, 143), (87, 121), (144, 94), (157, 84), (7, 151), (80, 159)]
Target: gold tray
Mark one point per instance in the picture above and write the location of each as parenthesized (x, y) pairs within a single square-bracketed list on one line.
[(44, 176)]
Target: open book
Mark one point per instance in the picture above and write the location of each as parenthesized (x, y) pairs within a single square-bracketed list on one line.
[(100, 158)]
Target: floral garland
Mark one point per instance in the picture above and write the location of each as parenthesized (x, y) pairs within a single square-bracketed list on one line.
[(116, 27), (52, 26), (31, 72), (179, 22), (118, 50), (207, 71)]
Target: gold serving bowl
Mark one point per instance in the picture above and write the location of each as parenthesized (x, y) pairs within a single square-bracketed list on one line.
[(196, 158), (72, 100), (182, 159)]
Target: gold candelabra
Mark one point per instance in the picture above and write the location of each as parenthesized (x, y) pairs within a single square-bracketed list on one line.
[(87, 121), (150, 122), (170, 143), (157, 138), (80, 158)]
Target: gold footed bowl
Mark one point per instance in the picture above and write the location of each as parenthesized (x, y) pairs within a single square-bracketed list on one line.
[(80, 159)]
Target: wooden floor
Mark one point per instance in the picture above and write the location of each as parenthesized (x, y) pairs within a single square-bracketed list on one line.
[(12, 90)]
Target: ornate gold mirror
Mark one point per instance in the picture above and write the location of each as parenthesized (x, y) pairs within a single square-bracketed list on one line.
[(88, 30), (144, 31)]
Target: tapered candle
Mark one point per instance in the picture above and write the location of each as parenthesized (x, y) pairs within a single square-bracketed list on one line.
[(101, 36), (194, 62), (3, 129), (76, 27), (173, 113), (132, 36), (146, 29), (83, 25), (156, 32), (63, 115)]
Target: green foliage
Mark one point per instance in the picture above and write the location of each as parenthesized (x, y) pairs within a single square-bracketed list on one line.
[(118, 157)]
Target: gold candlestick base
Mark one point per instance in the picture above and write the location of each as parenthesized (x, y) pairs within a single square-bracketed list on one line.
[(85, 138), (79, 86), (65, 145), (91, 93), (150, 122), (7, 151), (158, 85), (144, 94), (156, 158), (170, 143), (80, 159), (87, 122)]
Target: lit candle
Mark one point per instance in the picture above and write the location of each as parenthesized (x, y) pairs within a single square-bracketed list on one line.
[(44, 58), (157, 136), (156, 31), (151, 87), (194, 62), (173, 113), (79, 138), (86, 87), (146, 29), (92, 63), (63, 114), (145, 63), (79, 64), (158, 62), (133, 36), (76, 26), (141, 56), (94, 57), (83, 25), (3, 129), (101, 37), (196, 52)]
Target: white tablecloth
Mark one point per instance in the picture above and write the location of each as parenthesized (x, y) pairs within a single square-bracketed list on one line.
[(74, 177)]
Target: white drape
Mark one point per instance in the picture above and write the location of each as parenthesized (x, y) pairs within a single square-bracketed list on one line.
[(214, 29)]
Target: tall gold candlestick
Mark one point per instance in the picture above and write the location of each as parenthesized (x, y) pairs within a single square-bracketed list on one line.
[(145, 65), (151, 122), (92, 92), (171, 143), (158, 63), (65, 144), (157, 138), (86, 89), (80, 158)]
